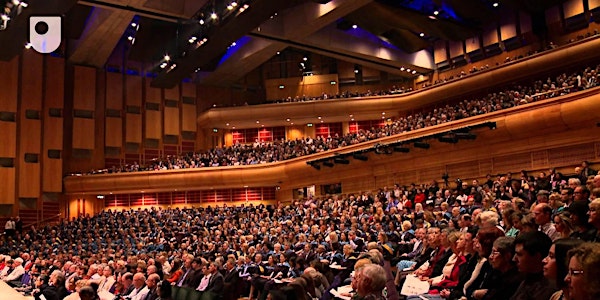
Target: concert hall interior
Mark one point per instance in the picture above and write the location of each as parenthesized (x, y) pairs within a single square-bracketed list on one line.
[(271, 116)]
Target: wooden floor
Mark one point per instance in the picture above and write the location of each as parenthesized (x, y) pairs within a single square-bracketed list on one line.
[(6, 292)]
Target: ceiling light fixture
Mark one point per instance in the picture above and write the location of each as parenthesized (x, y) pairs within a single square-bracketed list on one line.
[(201, 22), (213, 16), (421, 34), (167, 57)]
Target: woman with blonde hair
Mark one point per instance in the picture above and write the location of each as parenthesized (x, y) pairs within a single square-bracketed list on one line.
[(554, 200), (583, 272), (563, 224)]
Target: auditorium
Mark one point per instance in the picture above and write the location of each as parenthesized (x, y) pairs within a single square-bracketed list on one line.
[(300, 149)]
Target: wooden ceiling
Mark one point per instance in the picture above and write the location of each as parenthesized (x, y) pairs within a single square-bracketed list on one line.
[(96, 29)]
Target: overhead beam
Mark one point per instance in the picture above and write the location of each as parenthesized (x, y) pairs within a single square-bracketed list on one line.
[(220, 38), (101, 35), (275, 35)]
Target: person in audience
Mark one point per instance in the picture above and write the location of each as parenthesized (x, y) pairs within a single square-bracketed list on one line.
[(543, 218), (43, 290), (583, 272), (164, 290), (368, 282), (555, 265), (594, 220), (530, 249), (16, 271), (140, 290), (505, 277), (563, 224)]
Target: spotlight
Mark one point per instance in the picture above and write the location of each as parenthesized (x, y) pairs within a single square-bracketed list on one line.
[(28, 46), (401, 149), (234, 4), (201, 22), (130, 38), (167, 57), (495, 4), (341, 160), (360, 156), (328, 164), (436, 12), (447, 139), (422, 145), (465, 136), (354, 26), (213, 16), (414, 72), (421, 34), (314, 164), (133, 25), (23, 4)]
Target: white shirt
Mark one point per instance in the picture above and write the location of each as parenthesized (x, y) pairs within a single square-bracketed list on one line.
[(15, 274), (204, 282), (139, 294)]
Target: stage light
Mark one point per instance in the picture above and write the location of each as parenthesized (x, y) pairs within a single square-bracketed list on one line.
[(167, 58), (341, 160), (401, 149), (447, 139), (465, 136), (360, 156), (422, 145), (213, 16)]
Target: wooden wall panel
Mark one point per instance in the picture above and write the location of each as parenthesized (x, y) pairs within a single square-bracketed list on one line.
[(456, 48), (153, 125), (30, 136), (525, 22), (439, 52), (54, 83), (7, 192), (490, 35), (189, 116), (152, 94), (472, 44), (9, 78), (53, 133), (188, 90), (593, 4), (82, 139), (172, 94), (133, 128), (508, 27), (52, 174), (114, 132), (133, 90), (8, 147), (29, 180), (114, 91), (572, 8), (84, 90), (552, 15), (31, 82), (171, 120)]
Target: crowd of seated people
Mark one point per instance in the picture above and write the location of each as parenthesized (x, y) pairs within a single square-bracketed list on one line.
[(280, 150), (500, 239), (550, 46), (394, 90)]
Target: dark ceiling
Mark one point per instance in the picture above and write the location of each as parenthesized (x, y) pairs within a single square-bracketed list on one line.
[(94, 29)]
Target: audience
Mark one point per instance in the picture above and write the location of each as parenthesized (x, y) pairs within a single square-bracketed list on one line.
[(280, 150)]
